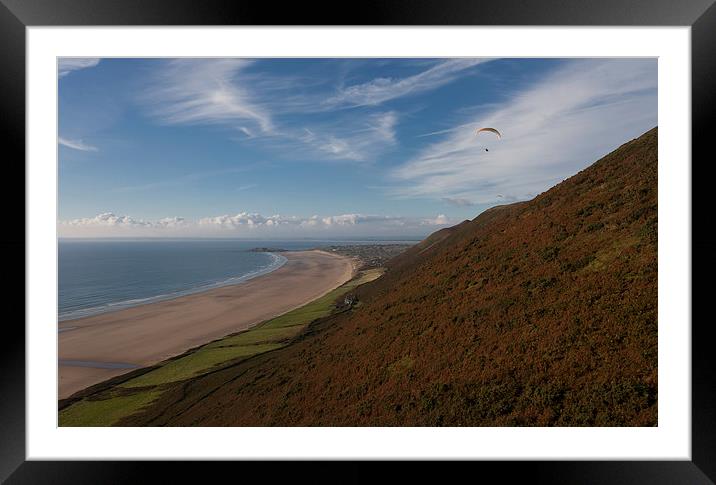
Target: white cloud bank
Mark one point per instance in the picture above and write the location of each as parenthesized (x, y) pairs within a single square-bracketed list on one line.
[(109, 219), (245, 224), (554, 129)]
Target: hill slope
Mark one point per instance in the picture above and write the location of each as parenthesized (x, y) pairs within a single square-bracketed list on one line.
[(536, 313)]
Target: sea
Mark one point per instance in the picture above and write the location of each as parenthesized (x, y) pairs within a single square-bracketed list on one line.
[(101, 275)]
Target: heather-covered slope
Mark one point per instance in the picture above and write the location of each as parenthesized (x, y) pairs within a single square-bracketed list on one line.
[(537, 313)]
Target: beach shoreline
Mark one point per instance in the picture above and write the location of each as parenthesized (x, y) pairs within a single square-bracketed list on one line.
[(146, 334), (122, 305)]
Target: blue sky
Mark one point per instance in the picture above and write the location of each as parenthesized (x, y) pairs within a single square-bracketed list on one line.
[(280, 148)]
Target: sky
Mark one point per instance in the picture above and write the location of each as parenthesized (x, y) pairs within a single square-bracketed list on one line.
[(329, 148)]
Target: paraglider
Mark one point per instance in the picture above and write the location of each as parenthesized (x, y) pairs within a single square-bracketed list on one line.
[(491, 130)]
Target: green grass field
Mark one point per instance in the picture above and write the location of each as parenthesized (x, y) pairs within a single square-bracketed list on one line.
[(105, 412), (108, 406)]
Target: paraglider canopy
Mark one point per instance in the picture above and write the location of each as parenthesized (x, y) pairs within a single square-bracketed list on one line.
[(491, 130)]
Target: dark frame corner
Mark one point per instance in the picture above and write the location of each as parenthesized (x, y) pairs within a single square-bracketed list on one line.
[(16, 15)]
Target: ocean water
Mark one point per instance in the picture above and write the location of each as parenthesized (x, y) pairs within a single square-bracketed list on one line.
[(97, 276)]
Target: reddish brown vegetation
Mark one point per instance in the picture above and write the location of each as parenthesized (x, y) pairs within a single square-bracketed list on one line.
[(538, 313)]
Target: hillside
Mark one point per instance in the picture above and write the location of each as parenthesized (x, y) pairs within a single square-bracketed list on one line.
[(538, 313)]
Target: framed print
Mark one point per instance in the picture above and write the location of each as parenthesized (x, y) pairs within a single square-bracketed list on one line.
[(455, 233)]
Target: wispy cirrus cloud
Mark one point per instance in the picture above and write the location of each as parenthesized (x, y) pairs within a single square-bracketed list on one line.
[(256, 104), (66, 65), (358, 139), (205, 91), (458, 201), (366, 135), (382, 89), (219, 91), (76, 145), (295, 94), (560, 125), (246, 187)]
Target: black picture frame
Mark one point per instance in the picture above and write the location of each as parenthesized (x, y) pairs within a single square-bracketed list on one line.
[(16, 15)]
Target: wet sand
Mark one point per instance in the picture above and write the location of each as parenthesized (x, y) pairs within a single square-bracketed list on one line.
[(147, 334)]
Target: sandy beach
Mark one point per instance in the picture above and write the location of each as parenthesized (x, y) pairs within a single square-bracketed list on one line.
[(147, 334)]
